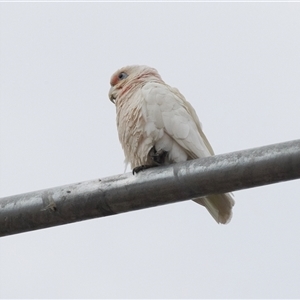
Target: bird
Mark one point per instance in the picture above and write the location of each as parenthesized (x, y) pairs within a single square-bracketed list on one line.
[(158, 126)]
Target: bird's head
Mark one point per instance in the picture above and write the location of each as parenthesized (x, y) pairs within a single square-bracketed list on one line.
[(128, 77)]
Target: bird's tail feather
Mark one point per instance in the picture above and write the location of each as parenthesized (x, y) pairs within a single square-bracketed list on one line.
[(219, 206)]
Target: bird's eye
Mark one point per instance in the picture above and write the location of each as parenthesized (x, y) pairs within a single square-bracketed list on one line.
[(122, 75)]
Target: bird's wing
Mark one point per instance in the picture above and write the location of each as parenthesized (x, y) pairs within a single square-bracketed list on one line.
[(165, 109)]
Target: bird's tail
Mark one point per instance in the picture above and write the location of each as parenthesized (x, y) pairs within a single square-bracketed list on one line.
[(219, 206)]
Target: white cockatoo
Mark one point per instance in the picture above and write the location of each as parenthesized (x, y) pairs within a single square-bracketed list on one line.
[(157, 126)]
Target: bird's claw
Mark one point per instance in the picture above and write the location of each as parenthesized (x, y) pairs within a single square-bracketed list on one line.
[(140, 168), (158, 157)]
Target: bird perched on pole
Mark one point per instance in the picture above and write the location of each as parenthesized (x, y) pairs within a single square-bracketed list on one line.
[(158, 126)]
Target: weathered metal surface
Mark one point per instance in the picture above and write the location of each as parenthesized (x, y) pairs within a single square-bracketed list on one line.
[(152, 187)]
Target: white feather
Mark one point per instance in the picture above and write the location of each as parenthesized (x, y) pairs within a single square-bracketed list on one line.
[(152, 114)]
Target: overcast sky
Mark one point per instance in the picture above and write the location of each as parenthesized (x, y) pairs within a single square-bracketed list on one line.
[(238, 64)]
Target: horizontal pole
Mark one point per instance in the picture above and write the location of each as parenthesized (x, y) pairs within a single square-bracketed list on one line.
[(151, 187)]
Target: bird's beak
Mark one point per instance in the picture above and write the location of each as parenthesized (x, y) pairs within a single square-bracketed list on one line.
[(111, 95)]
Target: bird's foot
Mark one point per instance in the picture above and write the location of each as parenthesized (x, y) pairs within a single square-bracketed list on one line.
[(158, 156), (140, 168)]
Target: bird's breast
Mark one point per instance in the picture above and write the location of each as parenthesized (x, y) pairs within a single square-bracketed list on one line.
[(131, 129)]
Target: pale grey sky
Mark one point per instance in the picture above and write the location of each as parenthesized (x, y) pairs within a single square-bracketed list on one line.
[(238, 64)]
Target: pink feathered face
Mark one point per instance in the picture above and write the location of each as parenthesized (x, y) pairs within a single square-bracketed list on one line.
[(131, 75), (117, 77), (117, 81)]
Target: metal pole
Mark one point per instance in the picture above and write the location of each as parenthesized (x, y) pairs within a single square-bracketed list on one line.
[(151, 187)]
